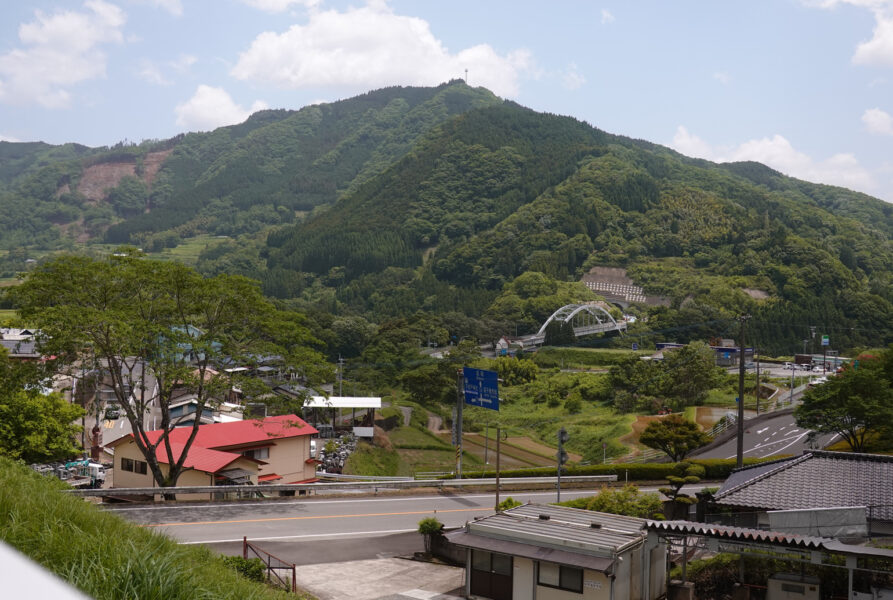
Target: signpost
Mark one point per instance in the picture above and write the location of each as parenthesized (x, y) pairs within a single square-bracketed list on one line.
[(478, 388), (481, 388)]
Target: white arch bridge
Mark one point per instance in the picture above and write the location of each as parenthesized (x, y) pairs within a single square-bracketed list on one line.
[(586, 319)]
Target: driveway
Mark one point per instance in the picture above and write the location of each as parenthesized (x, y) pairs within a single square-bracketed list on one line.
[(381, 579)]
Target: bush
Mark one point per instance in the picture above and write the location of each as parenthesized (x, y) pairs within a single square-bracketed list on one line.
[(430, 526), (507, 504), (627, 500), (252, 569)]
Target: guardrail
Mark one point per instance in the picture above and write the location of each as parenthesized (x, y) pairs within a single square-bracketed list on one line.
[(341, 477), (321, 487)]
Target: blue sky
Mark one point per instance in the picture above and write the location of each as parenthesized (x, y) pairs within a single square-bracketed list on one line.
[(801, 85)]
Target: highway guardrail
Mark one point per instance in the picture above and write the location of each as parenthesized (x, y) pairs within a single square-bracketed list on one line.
[(352, 485)]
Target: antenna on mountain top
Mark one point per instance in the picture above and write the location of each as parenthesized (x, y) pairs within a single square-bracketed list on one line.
[(466, 76)]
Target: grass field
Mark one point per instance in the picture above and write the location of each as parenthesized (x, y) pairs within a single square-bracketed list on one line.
[(103, 555), (7, 313), (188, 251)]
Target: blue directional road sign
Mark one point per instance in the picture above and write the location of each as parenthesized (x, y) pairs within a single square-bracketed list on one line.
[(481, 388)]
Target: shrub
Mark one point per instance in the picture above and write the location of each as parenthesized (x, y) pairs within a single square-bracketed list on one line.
[(507, 504), (250, 568)]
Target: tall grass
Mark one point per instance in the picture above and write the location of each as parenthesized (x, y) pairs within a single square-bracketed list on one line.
[(105, 556)]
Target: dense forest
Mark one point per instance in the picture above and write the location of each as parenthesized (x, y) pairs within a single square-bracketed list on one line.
[(408, 216)]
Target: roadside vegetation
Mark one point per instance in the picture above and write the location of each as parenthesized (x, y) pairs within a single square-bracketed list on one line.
[(106, 557)]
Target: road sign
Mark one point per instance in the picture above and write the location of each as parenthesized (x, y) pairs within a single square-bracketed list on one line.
[(635, 346), (826, 341), (481, 388)]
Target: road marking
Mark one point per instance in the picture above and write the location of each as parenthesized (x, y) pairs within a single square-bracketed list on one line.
[(306, 518), (760, 431), (273, 502), (307, 535)]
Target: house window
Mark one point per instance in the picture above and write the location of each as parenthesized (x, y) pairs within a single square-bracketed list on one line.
[(561, 577), (257, 453), (134, 466)]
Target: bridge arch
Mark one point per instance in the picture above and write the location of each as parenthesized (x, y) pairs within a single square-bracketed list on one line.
[(593, 315)]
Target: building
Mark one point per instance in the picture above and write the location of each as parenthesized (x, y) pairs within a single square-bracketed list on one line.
[(817, 479), (250, 451), (726, 355), (546, 552)]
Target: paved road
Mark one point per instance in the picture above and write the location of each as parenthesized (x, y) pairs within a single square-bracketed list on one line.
[(769, 438)]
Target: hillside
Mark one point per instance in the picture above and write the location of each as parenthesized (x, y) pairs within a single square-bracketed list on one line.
[(503, 190), (233, 180), (440, 200)]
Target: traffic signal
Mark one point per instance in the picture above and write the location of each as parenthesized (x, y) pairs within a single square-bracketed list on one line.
[(562, 438)]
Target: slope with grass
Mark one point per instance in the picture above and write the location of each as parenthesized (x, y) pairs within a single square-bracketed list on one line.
[(105, 556)]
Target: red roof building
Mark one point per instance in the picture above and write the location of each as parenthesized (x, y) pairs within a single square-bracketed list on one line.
[(248, 451)]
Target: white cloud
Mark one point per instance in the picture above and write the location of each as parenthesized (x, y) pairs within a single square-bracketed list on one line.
[(607, 17), (7, 138), (277, 6), (879, 49), (175, 7), (212, 107), (183, 62), (842, 169), (572, 77), (722, 77), (150, 73), (59, 50), (372, 47), (877, 121)]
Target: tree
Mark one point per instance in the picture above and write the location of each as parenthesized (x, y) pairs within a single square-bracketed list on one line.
[(686, 474), (675, 435), (34, 427), (429, 527), (689, 373), (158, 328), (854, 404)]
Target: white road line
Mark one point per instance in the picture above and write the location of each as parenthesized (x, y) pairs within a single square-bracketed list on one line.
[(297, 537), (760, 431), (323, 502)]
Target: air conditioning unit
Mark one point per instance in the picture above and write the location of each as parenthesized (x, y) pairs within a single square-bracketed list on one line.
[(791, 586)]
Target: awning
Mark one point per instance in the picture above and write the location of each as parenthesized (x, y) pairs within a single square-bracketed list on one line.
[(237, 476), (561, 557), (268, 477)]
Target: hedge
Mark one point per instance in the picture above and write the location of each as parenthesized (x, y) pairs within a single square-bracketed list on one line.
[(715, 468)]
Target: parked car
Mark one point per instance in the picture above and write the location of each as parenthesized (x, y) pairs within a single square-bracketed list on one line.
[(112, 412)]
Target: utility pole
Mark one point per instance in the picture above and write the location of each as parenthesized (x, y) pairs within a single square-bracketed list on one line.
[(460, 400), (742, 320), (487, 444), (498, 437), (756, 359)]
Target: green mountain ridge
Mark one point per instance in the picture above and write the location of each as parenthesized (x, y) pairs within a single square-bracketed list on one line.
[(451, 201)]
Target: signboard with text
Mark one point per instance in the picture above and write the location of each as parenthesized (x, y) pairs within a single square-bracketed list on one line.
[(481, 388)]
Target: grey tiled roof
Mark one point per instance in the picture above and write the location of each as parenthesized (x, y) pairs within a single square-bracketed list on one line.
[(817, 479)]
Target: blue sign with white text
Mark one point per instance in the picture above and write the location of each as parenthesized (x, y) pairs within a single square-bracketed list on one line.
[(481, 388)]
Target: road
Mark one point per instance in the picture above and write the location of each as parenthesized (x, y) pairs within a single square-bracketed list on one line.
[(353, 529), (779, 435)]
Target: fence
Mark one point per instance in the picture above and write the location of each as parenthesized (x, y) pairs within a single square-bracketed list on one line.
[(277, 569)]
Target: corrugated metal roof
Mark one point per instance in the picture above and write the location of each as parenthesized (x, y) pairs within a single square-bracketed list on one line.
[(342, 402), (562, 557), (743, 534), (760, 536), (567, 529), (818, 479)]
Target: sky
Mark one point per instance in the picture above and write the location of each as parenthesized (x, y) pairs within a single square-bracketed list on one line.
[(804, 86)]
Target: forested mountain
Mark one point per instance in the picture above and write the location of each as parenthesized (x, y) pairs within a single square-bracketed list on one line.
[(233, 180), (503, 190), (454, 203)]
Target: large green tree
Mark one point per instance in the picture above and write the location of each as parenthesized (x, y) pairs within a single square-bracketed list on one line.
[(674, 435), (158, 328), (854, 404), (34, 426)]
